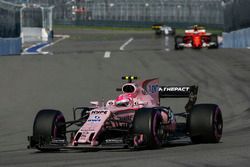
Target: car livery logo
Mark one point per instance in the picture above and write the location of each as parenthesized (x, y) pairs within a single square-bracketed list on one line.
[(98, 112), (153, 88), (174, 88), (94, 118)]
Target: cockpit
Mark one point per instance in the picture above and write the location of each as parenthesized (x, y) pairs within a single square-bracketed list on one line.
[(126, 98), (128, 88)]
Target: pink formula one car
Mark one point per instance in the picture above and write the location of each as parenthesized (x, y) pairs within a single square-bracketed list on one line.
[(135, 119)]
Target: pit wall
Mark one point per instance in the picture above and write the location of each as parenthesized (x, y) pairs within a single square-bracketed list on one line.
[(237, 39), (10, 46)]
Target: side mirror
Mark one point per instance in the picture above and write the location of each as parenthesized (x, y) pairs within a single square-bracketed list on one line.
[(110, 103), (94, 103)]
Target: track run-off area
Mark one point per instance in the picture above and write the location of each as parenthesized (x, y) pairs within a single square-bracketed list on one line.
[(88, 66)]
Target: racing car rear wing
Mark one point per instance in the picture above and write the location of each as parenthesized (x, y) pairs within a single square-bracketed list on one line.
[(177, 91), (156, 26), (180, 92)]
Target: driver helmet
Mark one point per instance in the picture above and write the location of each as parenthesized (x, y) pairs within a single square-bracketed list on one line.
[(123, 100), (195, 27)]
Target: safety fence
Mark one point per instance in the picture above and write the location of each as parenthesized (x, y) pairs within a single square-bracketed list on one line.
[(237, 39), (177, 12), (236, 14), (225, 14), (9, 20)]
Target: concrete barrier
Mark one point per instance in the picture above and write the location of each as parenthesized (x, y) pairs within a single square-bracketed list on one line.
[(10, 46), (237, 39)]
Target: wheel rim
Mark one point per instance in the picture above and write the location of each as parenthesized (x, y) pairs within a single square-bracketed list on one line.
[(57, 130), (157, 128)]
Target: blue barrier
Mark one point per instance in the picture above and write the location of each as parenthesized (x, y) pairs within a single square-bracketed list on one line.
[(237, 39), (10, 46)]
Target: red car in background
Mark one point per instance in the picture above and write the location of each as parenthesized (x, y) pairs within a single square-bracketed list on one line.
[(196, 37)]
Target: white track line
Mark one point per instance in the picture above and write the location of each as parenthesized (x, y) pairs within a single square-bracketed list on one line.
[(126, 43), (53, 43), (107, 54), (39, 51)]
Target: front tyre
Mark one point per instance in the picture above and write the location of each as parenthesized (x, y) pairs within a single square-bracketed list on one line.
[(173, 31), (48, 125), (158, 32), (178, 41), (206, 123), (148, 130), (214, 42)]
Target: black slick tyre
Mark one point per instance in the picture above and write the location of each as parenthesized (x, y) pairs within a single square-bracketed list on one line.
[(178, 41), (147, 122), (158, 32), (206, 123), (48, 125), (214, 40)]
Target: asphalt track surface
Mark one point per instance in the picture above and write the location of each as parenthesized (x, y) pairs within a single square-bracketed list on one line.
[(77, 72)]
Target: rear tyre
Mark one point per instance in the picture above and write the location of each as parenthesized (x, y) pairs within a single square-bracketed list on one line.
[(178, 41), (48, 125), (158, 32), (148, 122), (206, 123), (173, 31)]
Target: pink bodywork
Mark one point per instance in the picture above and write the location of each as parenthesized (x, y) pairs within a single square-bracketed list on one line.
[(145, 96)]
